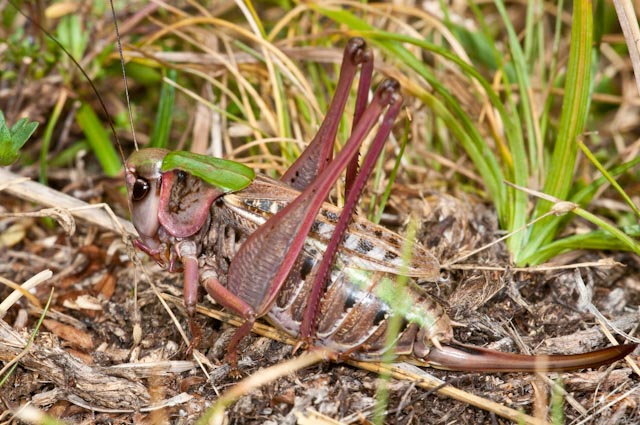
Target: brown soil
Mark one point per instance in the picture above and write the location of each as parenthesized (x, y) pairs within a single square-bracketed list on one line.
[(93, 318)]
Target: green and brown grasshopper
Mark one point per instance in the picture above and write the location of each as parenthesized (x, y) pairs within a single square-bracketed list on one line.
[(276, 250)]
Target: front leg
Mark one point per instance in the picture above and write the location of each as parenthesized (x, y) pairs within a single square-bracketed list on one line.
[(158, 254), (187, 253)]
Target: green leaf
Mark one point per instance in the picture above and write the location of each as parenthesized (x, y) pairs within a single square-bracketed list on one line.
[(22, 130), (11, 140), (5, 133), (224, 174), (609, 178)]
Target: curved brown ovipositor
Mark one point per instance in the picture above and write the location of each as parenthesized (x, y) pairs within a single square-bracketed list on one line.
[(461, 357)]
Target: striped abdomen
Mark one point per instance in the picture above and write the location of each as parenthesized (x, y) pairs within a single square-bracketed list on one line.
[(355, 311)]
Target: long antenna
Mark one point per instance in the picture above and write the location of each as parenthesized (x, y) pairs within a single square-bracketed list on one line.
[(86, 76), (124, 74)]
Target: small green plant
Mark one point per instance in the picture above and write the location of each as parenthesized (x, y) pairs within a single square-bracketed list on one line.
[(14, 138)]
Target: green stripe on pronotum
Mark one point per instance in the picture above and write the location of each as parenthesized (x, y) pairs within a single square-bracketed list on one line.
[(229, 176)]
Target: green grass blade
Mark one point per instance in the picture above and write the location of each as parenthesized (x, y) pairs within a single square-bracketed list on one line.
[(622, 237), (584, 195), (609, 177), (557, 402), (596, 240), (98, 139), (554, 79), (520, 169), (395, 326), (162, 126), (68, 155), (46, 137)]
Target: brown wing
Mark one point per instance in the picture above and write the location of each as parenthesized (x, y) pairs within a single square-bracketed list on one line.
[(366, 246)]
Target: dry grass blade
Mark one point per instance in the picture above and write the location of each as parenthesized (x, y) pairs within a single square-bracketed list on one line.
[(62, 216), (22, 290), (442, 388), (40, 194), (629, 24)]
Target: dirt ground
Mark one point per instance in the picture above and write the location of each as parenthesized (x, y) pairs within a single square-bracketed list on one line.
[(84, 364)]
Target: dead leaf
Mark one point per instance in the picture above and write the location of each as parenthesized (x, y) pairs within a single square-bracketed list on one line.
[(74, 336)]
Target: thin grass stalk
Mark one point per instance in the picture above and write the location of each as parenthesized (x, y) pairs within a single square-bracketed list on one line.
[(609, 178), (395, 324), (377, 181), (392, 176)]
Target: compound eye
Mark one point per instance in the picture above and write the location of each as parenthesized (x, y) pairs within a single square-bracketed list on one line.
[(140, 189)]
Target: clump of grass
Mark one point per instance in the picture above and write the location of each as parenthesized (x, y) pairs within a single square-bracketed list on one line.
[(522, 155), (529, 138)]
